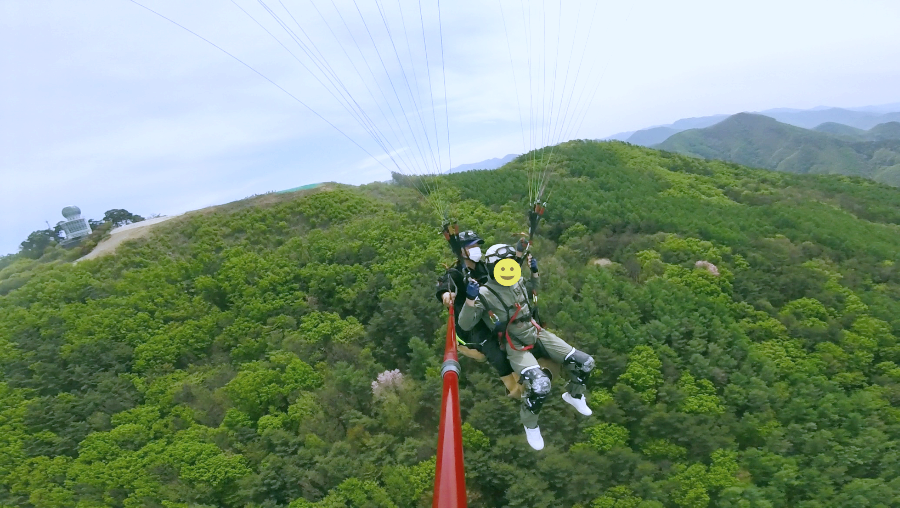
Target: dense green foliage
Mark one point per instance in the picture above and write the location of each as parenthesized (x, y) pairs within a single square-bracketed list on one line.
[(760, 141), (229, 358), (47, 241), (42, 252)]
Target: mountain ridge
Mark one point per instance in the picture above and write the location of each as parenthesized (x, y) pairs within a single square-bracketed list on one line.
[(761, 141), (864, 118), (494, 163)]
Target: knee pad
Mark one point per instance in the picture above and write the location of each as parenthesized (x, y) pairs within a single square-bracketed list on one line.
[(580, 364), (537, 388)]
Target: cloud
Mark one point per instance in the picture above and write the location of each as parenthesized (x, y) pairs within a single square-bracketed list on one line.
[(105, 105)]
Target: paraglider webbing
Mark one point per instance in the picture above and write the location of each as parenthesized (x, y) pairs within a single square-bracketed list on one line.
[(508, 340), (449, 476), (534, 218), (451, 234)]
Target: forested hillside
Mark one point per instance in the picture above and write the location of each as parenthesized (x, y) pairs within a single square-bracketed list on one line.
[(760, 141), (232, 358), (834, 120)]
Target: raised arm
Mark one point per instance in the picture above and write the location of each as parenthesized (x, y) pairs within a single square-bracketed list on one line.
[(473, 310)]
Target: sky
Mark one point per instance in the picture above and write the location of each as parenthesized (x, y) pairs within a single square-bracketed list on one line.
[(105, 104)]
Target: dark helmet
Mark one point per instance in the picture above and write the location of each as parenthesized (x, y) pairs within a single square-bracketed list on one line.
[(496, 253), (469, 238)]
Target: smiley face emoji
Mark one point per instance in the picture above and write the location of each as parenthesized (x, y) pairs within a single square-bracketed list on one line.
[(507, 272)]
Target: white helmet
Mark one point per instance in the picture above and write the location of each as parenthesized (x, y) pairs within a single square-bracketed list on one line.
[(496, 253)]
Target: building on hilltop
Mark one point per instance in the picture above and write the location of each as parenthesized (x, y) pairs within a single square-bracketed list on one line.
[(75, 226)]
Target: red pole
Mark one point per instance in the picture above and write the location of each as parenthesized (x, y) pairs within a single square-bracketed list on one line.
[(449, 476)]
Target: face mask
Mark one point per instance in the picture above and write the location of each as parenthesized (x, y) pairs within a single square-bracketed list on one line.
[(475, 254)]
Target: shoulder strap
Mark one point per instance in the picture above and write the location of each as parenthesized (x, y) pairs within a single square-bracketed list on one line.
[(524, 288), (481, 273), (507, 308), (497, 296)]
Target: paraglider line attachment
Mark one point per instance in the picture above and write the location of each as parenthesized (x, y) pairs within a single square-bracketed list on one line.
[(451, 234)]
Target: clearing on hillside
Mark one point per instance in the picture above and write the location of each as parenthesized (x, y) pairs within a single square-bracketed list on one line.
[(119, 235)]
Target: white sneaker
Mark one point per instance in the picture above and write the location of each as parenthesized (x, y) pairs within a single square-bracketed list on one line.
[(580, 404), (534, 438)]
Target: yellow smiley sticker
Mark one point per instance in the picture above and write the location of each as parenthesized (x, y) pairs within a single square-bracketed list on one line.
[(507, 272)]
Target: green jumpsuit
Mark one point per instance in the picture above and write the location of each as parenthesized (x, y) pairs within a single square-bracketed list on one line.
[(522, 332)]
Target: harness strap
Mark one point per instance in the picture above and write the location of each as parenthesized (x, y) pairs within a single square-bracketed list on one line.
[(506, 330), (508, 340)]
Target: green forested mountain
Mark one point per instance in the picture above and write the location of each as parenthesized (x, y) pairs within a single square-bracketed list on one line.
[(861, 119), (760, 141), (884, 131), (843, 120), (229, 358), (840, 130), (881, 132)]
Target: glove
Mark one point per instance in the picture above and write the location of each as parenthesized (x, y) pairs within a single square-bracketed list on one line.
[(521, 245), (534, 268), (472, 290)]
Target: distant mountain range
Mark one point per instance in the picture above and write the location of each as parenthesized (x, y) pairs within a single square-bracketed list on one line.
[(881, 132), (488, 164), (831, 147), (859, 141), (861, 118)]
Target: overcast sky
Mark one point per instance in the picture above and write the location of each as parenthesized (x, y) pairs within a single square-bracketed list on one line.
[(103, 104)]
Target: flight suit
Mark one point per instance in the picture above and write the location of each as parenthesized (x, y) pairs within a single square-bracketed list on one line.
[(512, 303)]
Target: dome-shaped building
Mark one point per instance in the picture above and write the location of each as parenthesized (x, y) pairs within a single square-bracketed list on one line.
[(75, 226), (71, 212)]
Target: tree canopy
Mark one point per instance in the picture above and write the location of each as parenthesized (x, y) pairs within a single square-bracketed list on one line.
[(283, 351)]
